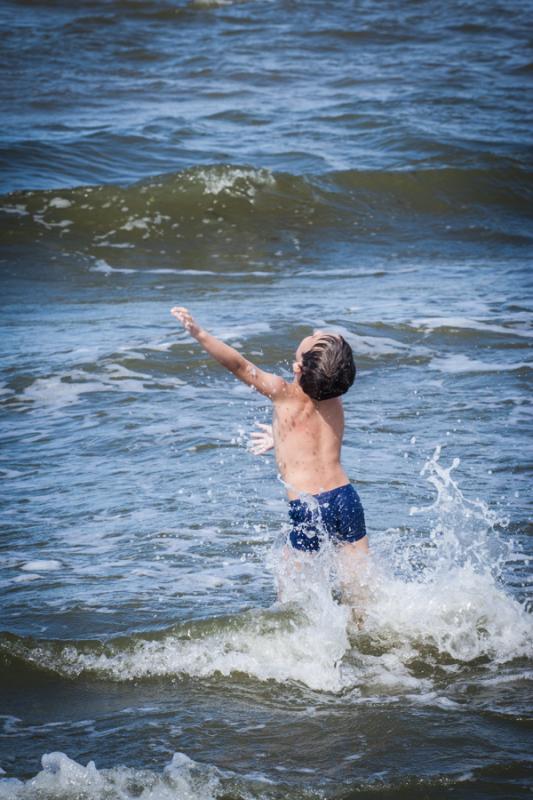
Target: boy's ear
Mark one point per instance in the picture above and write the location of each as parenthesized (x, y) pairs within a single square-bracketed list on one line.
[(297, 367)]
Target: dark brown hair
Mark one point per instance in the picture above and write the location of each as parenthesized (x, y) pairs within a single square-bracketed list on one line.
[(328, 368)]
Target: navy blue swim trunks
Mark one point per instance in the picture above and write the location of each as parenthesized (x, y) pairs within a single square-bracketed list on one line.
[(337, 514)]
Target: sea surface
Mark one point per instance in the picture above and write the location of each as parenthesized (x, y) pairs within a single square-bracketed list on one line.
[(276, 166)]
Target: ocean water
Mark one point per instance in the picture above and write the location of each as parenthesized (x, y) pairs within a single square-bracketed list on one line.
[(276, 167)]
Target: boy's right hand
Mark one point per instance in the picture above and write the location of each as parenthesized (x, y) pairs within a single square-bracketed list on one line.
[(184, 316), (261, 441)]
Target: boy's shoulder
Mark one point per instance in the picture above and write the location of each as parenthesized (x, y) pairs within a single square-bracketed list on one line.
[(289, 393)]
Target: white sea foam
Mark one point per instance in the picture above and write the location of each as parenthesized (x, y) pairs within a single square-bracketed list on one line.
[(54, 392), (243, 331), (459, 364), (212, 3), (116, 245), (375, 346), (42, 565), (63, 223), (378, 346), (308, 652), (101, 265), (136, 223), (236, 181), (126, 379), (18, 209), (57, 391), (63, 777), (464, 323), (222, 273), (59, 202), (461, 612), (10, 473), (347, 272), (28, 577)]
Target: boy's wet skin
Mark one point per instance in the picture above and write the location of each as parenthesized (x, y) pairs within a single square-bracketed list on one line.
[(307, 440)]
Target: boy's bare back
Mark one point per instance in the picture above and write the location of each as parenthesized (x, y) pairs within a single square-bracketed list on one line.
[(308, 435), (307, 440)]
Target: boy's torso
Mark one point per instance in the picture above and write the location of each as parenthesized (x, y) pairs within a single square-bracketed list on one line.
[(308, 439)]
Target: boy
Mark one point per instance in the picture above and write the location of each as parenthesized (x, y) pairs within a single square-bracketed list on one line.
[(307, 431)]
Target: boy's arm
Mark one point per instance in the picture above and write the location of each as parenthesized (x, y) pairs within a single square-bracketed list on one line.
[(265, 382)]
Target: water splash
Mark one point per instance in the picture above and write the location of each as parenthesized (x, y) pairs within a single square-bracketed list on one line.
[(444, 589), (434, 601), (463, 531)]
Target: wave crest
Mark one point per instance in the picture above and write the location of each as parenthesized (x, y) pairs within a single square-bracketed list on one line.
[(212, 202)]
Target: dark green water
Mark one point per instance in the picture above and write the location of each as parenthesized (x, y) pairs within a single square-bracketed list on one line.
[(276, 167)]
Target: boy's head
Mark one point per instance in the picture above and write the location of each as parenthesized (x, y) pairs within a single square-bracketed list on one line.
[(324, 365)]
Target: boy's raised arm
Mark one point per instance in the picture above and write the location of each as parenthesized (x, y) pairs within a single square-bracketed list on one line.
[(265, 382)]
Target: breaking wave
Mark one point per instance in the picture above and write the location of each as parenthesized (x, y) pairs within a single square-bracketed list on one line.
[(428, 602), (63, 778), (211, 202)]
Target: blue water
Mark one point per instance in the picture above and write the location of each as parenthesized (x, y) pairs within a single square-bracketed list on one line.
[(276, 167)]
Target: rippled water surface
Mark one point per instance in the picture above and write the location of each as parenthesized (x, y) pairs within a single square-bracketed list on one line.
[(276, 167)]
